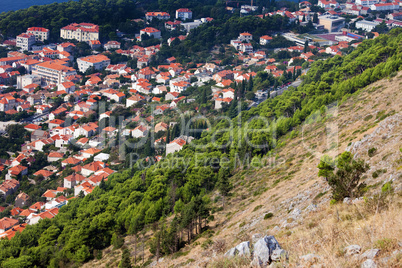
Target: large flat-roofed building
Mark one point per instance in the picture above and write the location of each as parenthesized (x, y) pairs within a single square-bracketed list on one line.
[(82, 32), (332, 23), (53, 72), (98, 62), (40, 33), (366, 25)]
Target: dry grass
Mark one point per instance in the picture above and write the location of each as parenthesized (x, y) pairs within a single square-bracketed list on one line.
[(342, 225), (292, 182)]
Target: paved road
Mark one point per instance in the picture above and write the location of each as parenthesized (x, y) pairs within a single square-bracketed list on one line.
[(3, 125)]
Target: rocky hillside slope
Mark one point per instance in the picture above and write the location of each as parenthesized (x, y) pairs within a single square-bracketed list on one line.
[(288, 200)]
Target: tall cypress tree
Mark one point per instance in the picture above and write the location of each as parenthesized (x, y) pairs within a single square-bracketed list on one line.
[(204, 96), (250, 83)]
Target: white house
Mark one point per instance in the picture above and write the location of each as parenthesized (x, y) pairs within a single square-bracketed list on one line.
[(151, 32), (219, 101), (140, 131), (68, 87), (175, 145)]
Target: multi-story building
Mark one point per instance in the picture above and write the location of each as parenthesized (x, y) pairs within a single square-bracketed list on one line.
[(98, 62), (40, 33), (25, 41), (332, 23), (152, 32), (245, 37), (157, 15), (82, 32), (366, 3), (366, 25), (184, 14), (385, 7), (265, 39), (53, 72), (28, 79)]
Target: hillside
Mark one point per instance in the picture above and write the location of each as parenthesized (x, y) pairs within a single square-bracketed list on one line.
[(186, 196), (303, 220)]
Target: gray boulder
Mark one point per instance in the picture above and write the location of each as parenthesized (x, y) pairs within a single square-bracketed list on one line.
[(369, 263), (263, 250), (230, 253), (352, 250), (242, 249), (369, 254)]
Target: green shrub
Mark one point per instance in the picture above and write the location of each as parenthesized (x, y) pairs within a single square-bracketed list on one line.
[(387, 188), (320, 195), (268, 215), (378, 172), (371, 152), (207, 243), (257, 208), (367, 118)]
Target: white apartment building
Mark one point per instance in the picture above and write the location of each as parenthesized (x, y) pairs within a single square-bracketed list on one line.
[(53, 72), (25, 41), (97, 61), (385, 7), (82, 32), (184, 14), (40, 33), (28, 79)]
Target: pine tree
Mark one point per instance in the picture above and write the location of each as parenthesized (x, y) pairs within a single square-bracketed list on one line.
[(344, 176), (125, 259), (223, 183)]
